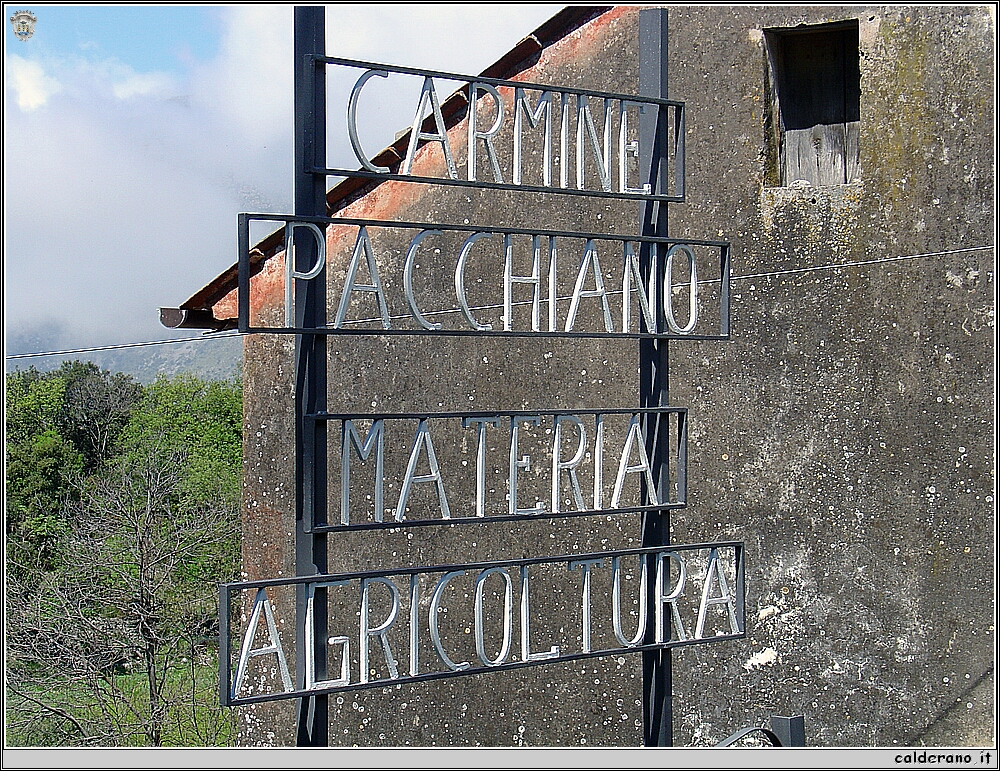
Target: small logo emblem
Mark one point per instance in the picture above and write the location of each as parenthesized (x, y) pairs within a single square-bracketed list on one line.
[(24, 24)]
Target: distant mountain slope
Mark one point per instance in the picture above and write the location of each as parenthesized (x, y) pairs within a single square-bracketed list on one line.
[(209, 357)]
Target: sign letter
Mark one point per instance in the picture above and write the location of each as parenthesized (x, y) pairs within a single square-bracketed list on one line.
[(486, 136), (509, 280), (480, 459), (568, 466), (526, 654), (627, 148), (589, 259), (310, 643), (460, 282), (507, 618), (408, 279), (616, 603), (585, 121), (379, 631), (522, 111), (352, 120), (671, 597), (647, 301), (362, 246), (350, 438), (247, 651), (586, 565), (634, 435), (433, 621), (724, 598), (422, 439), (427, 93), (668, 308), (291, 273), (523, 463)]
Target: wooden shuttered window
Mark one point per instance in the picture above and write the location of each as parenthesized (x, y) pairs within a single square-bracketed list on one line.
[(816, 88)]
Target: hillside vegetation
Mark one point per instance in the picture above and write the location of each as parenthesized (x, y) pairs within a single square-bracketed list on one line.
[(122, 516)]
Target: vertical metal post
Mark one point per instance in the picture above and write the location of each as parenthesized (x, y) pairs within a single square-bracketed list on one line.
[(657, 674), (791, 731), (310, 361)]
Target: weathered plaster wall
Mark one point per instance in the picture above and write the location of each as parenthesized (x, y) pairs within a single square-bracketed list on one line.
[(845, 432)]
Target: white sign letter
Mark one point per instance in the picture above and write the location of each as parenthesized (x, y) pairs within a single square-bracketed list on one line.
[(589, 260), (247, 651), (460, 283), (724, 598), (568, 466), (408, 279), (352, 120), (480, 459), (363, 246), (509, 280), (634, 434), (310, 643), (522, 110), (586, 565), (507, 618), (427, 93), (585, 121), (671, 597), (668, 308), (291, 273), (523, 463), (526, 654), (433, 621), (422, 440), (486, 136), (616, 603), (349, 437), (647, 301), (379, 631)]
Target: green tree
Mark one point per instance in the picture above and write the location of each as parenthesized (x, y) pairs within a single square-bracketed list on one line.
[(32, 404), (117, 648), (40, 468), (97, 406), (59, 425), (202, 419)]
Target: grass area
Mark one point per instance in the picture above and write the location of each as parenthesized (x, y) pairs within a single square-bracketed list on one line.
[(113, 711)]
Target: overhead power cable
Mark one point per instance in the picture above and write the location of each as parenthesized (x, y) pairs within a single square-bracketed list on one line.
[(120, 345), (809, 269)]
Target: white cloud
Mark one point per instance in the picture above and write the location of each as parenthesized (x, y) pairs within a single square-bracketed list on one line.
[(29, 81), (142, 84), (459, 37), (249, 85)]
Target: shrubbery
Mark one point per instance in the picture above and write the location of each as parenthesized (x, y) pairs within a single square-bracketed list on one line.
[(122, 516)]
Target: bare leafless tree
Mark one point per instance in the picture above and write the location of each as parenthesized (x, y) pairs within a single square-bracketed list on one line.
[(104, 650)]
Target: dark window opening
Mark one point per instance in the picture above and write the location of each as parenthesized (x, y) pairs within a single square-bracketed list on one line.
[(816, 82)]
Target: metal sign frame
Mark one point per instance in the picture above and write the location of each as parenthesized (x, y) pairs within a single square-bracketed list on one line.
[(663, 110), (316, 521), (734, 599), (654, 366), (307, 309), (645, 243)]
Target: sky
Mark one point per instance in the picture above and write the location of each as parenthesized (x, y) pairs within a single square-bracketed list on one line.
[(134, 135)]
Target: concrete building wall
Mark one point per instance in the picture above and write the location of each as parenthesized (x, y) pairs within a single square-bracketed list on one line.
[(845, 432)]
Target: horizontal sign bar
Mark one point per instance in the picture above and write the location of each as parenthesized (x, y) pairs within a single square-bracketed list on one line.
[(512, 135), (414, 469), (386, 277), (389, 627)]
